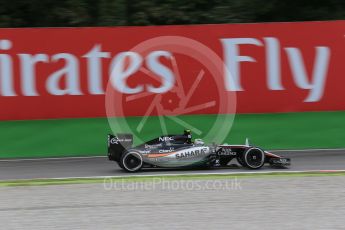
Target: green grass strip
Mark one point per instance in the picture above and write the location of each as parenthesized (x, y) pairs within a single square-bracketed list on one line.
[(157, 179), (87, 136)]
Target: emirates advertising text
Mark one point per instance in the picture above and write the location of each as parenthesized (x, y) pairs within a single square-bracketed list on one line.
[(202, 69)]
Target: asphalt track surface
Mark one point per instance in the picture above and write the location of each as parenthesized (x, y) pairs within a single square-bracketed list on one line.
[(252, 203), (305, 160)]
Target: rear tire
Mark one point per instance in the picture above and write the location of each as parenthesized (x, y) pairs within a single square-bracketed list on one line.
[(120, 164), (253, 158), (131, 161)]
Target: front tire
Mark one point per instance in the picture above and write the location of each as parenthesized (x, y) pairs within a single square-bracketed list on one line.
[(131, 161), (253, 158)]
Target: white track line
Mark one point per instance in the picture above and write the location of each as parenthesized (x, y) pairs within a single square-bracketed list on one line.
[(178, 174), (91, 157), (51, 158), (306, 150)]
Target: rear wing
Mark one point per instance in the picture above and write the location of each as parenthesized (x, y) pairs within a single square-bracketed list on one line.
[(118, 144)]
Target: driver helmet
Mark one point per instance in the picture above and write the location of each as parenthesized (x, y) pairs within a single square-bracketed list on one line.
[(188, 134)]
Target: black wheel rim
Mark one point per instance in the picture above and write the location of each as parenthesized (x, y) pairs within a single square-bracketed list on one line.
[(132, 161), (254, 158)]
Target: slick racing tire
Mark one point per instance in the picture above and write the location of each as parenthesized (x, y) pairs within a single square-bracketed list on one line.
[(120, 164), (253, 158), (131, 161)]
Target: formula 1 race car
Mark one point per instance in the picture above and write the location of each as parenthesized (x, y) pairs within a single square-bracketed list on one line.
[(179, 151)]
